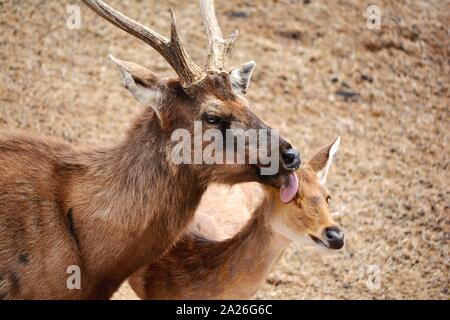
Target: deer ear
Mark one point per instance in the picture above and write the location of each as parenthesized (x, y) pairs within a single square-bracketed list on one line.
[(240, 77), (143, 84), (321, 162)]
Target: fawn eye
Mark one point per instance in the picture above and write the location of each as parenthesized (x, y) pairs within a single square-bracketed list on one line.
[(328, 199), (211, 119)]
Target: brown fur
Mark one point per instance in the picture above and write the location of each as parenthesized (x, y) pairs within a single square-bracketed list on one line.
[(110, 211), (201, 268)]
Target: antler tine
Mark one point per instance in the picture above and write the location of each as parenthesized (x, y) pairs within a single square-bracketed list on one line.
[(172, 50), (188, 71), (219, 49)]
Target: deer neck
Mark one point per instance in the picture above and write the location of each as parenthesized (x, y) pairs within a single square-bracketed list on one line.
[(252, 253), (131, 203), (259, 232)]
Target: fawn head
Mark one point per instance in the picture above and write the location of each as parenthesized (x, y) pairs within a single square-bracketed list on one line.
[(307, 217), (211, 99)]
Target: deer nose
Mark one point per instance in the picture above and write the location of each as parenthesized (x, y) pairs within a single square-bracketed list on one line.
[(291, 158), (334, 237)]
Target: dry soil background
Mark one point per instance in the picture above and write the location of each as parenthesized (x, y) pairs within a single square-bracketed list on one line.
[(320, 72)]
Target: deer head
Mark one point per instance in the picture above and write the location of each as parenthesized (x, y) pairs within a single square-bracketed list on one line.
[(307, 216), (212, 96)]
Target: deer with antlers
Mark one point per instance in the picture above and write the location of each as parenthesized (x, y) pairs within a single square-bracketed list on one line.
[(199, 267), (111, 211)]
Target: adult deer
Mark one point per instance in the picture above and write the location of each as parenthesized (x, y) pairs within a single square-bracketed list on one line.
[(198, 267), (111, 211)]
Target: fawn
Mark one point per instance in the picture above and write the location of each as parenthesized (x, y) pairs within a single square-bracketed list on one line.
[(198, 267), (113, 210)]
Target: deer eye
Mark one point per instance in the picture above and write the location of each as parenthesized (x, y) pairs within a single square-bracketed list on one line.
[(212, 119), (328, 199)]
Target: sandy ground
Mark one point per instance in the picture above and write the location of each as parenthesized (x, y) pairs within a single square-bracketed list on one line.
[(390, 181)]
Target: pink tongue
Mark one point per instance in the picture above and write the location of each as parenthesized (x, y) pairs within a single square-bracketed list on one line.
[(287, 192)]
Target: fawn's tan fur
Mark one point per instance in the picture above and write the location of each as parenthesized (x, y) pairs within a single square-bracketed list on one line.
[(201, 268)]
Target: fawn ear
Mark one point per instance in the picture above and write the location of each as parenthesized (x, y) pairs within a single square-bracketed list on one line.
[(143, 84), (240, 77), (321, 162)]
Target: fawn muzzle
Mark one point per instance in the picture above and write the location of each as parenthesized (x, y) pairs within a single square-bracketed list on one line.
[(334, 237)]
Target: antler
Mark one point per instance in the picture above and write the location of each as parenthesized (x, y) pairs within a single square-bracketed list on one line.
[(172, 50), (219, 49)]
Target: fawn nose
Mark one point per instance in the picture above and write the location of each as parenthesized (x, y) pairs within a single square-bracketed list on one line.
[(290, 157), (334, 237)]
